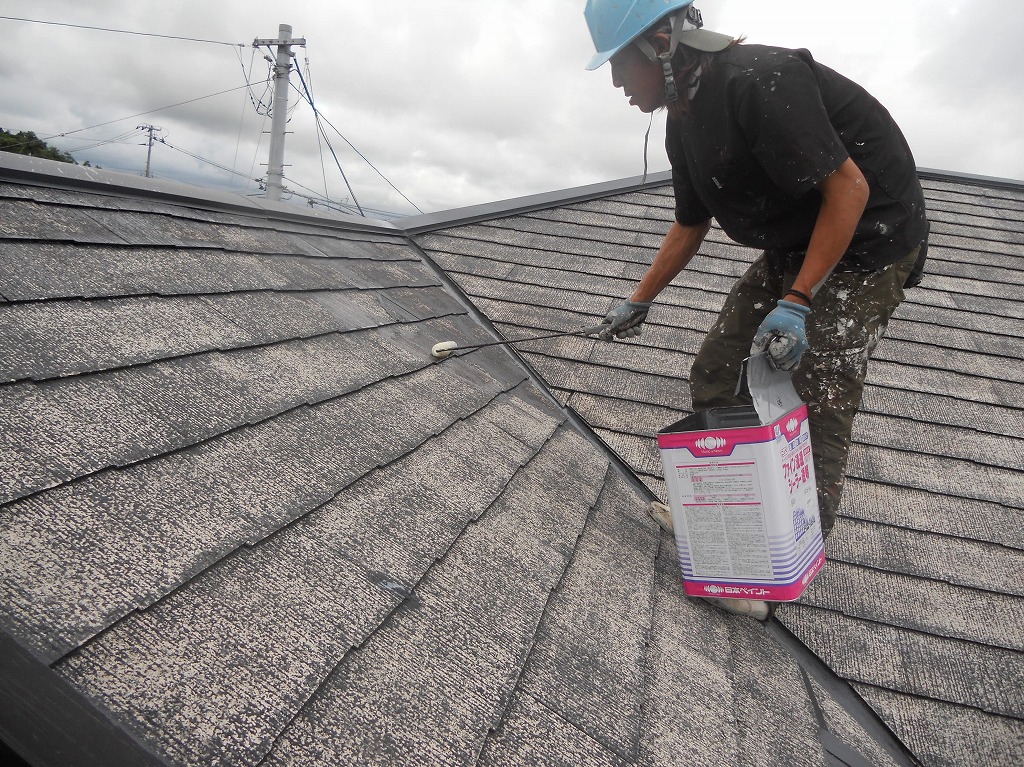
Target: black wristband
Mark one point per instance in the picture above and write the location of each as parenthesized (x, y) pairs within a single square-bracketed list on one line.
[(801, 294)]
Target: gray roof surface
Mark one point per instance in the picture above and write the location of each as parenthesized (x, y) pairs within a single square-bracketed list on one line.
[(245, 518), (921, 607)]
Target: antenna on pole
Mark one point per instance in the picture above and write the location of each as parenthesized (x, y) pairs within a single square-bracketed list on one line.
[(279, 117)]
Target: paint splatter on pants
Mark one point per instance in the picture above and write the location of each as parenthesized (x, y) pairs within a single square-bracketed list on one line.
[(849, 316)]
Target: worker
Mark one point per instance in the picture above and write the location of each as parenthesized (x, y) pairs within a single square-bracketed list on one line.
[(791, 158)]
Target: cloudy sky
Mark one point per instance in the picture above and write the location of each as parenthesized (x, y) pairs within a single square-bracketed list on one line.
[(459, 102)]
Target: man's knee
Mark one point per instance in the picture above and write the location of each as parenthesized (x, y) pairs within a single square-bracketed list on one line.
[(713, 377)]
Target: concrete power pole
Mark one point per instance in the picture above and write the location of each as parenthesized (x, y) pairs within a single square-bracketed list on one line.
[(279, 118), (149, 151)]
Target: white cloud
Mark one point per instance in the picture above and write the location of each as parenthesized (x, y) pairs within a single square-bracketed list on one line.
[(461, 102)]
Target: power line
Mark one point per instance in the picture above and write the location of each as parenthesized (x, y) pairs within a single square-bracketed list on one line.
[(241, 117), (259, 106), (149, 112), (118, 139), (337, 204), (256, 152), (315, 198), (320, 131), (203, 159), (309, 98), (120, 31)]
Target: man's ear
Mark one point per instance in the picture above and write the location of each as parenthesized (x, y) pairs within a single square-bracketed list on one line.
[(661, 41)]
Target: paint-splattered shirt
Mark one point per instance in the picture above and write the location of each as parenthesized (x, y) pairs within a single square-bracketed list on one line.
[(764, 128)]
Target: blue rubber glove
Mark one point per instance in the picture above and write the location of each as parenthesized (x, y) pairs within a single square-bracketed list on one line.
[(625, 321), (783, 334)]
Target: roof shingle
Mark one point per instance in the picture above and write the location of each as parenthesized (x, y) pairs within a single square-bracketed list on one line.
[(246, 518)]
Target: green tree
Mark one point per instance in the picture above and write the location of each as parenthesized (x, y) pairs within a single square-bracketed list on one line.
[(27, 142)]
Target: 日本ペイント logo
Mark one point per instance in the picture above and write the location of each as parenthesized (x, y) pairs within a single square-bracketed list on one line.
[(710, 443), (745, 591)]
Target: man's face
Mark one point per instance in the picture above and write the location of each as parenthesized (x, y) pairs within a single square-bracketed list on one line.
[(641, 80)]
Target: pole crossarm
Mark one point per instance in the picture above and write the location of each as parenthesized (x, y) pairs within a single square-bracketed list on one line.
[(259, 43)]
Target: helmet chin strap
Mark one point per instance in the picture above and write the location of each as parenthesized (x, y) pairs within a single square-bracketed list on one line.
[(688, 18), (671, 92)]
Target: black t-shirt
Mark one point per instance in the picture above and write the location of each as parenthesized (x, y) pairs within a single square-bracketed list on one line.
[(765, 126)]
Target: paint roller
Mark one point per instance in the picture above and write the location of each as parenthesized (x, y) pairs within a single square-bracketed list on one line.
[(444, 349)]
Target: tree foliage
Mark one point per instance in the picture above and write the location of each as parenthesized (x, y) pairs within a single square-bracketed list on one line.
[(28, 143)]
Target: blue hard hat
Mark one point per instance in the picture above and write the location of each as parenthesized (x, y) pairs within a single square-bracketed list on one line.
[(615, 23)]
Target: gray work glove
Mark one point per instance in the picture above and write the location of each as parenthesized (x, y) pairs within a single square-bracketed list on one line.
[(624, 321), (782, 333)]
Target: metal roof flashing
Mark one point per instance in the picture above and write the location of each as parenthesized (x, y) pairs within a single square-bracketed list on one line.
[(969, 178), (518, 205)]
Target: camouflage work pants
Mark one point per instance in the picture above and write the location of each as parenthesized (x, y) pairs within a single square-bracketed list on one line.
[(849, 316)]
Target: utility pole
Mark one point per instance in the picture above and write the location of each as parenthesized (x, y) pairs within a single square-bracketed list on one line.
[(279, 118), (149, 151)]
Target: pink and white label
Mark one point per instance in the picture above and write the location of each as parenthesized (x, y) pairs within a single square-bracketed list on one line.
[(771, 592), (745, 509)]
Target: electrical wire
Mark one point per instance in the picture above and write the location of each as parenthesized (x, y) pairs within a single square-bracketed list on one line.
[(316, 197), (120, 31), (313, 198), (320, 131), (256, 154), (272, 60), (260, 108), (259, 105), (119, 139), (374, 167), (325, 201), (194, 156), (149, 112), (309, 98), (241, 117), (319, 145)]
